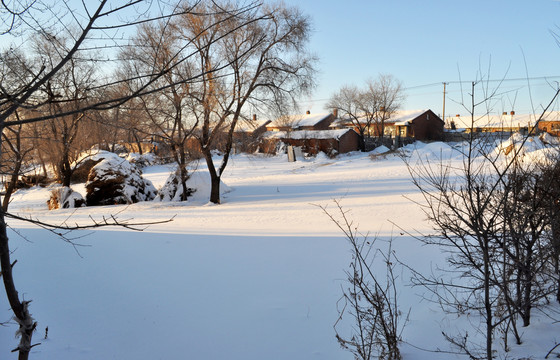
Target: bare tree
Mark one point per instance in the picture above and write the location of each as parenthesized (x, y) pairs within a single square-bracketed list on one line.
[(165, 110), (488, 214), (16, 153), (254, 59), (370, 106), (551, 180), (348, 101), (68, 91), (381, 99), (371, 298), (90, 28)]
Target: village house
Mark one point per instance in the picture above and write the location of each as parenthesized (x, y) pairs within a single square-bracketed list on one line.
[(331, 142), (507, 123), (247, 133), (254, 127), (423, 125), (491, 123), (308, 121), (550, 123), (310, 132)]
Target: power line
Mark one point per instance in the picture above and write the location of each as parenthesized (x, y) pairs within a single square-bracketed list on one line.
[(491, 81), (460, 82)]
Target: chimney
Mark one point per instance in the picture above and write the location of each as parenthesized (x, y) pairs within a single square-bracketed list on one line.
[(255, 117), (308, 112), (512, 113), (457, 115), (335, 113)]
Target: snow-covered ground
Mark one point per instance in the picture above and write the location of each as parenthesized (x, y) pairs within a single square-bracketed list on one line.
[(257, 277)]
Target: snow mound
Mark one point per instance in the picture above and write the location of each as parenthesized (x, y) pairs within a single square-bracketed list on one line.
[(438, 150), (321, 156), (116, 181), (200, 180), (95, 155), (142, 160), (548, 139), (65, 198), (380, 150), (172, 190), (534, 148), (518, 144)]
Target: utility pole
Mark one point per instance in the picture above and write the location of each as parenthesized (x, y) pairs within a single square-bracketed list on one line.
[(444, 84)]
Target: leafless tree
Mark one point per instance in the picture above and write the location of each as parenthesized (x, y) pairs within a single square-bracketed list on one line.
[(381, 99), (93, 31), (253, 59), (550, 174), (166, 110), (371, 299), (348, 101), (369, 107), (15, 158), (488, 215)]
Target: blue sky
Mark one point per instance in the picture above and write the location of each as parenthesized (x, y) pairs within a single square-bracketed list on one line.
[(431, 42)]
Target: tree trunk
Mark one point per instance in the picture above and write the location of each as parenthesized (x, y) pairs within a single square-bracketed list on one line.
[(65, 171), (138, 142), (183, 174), (527, 289), (9, 190), (214, 177), (215, 190), (362, 142), (487, 300), (20, 309), (556, 249)]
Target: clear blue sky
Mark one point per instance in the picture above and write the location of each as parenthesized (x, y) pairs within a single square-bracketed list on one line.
[(436, 41)]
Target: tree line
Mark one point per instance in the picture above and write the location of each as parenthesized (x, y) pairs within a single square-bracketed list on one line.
[(83, 74)]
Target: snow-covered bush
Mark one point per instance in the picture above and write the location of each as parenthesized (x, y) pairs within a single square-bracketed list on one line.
[(65, 198), (116, 181), (172, 189), (143, 160), (82, 169)]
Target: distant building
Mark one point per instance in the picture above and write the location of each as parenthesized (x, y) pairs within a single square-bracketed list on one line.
[(331, 142), (418, 124), (506, 122), (253, 127), (423, 125), (308, 121), (550, 123), (247, 133)]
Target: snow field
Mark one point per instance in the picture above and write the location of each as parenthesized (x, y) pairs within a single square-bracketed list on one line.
[(257, 277)]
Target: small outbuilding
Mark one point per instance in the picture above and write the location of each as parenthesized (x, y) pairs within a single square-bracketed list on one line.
[(418, 124), (308, 121), (331, 142), (422, 125)]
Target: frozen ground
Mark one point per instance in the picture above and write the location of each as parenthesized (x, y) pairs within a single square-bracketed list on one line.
[(257, 277)]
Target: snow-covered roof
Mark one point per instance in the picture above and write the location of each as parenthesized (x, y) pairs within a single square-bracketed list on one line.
[(307, 134), (506, 121), (250, 126), (401, 117), (296, 121)]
